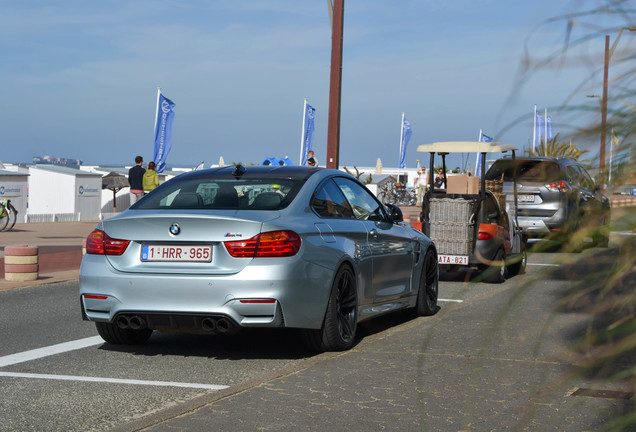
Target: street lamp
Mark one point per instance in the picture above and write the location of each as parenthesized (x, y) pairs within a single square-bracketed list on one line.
[(608, 55)]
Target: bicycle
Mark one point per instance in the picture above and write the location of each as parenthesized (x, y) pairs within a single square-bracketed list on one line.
[(397, 194), (8, 215)]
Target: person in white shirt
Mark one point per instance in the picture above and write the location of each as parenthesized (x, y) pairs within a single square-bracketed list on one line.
[(421, 182)]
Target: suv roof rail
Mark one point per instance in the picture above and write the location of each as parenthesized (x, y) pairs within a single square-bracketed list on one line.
[(560, 157)]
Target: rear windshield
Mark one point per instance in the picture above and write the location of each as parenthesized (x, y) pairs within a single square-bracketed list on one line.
[(539, 171), (222, 193)]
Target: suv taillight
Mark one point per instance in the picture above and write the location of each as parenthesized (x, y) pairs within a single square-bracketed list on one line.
[(99, 243), (265, 245), (558, 186)]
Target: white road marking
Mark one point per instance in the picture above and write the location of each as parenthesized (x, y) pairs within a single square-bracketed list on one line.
[(114, 380), (79, 344), (625, 233), (49, 351), (450, 300)]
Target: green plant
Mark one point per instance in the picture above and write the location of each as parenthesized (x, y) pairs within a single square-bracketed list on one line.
[(605, 278), (556, 148)]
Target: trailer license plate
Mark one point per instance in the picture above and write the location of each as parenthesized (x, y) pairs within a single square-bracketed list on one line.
[(176, 253), (453, 259)]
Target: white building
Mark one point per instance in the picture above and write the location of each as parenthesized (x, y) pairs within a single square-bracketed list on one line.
[(14, 187), (63, 194)]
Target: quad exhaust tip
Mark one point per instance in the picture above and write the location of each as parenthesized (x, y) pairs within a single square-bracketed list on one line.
[(220, 325), (134, 322)]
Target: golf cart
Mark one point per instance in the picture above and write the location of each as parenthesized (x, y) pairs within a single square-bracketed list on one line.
[(470, 220)]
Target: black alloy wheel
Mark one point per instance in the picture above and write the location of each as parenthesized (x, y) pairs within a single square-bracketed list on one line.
[(519, 262), (429, 287), (341, 319), (496, 273)]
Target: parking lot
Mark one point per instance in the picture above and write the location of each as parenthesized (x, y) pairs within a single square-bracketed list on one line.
[(494, 357)]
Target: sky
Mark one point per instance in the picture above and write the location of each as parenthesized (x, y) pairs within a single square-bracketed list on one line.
[(79, 78)]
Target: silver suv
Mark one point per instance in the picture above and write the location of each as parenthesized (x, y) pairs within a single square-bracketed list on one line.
[(556, 196)]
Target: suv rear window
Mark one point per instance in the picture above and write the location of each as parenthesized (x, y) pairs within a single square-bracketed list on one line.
[(539, 171)]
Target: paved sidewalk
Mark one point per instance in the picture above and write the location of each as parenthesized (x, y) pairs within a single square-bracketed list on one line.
[(497, 361), (60, 250)]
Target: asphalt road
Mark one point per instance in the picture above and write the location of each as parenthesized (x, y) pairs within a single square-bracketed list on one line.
[(495, 357)]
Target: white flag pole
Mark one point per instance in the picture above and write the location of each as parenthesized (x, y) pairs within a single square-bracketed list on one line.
[(481, 133), (302, 135), (401, 139), (545, 126), (157, 110), (534, 128)]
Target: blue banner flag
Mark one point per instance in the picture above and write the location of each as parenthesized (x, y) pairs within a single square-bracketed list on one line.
[(163, 131), (543, 127), (482, 138), (308, 132), (404, 141)]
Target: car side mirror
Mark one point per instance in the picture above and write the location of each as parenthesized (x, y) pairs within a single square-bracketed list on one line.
[(395, 213)]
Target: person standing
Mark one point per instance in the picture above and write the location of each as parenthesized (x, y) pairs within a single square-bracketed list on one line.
[(421, 183), (136, 180), (311, 156), (151, 178), (439, 179)]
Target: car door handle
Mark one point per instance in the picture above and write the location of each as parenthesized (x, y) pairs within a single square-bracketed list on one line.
[(373, 233)]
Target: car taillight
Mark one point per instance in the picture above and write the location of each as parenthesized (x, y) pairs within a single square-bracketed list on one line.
[(558, 186), (99, 243), (483, 235), (265, 245)]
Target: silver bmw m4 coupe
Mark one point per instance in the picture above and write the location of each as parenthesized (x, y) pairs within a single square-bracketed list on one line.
[(214, 251)]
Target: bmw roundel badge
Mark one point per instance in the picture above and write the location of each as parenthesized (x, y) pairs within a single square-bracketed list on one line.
[(175, 229)]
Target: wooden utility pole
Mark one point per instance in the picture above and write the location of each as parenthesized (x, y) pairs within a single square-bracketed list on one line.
[(601, 164), (335, 86)]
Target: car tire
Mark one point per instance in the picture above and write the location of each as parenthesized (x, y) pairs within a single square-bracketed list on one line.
[(496, 273), (519, 267), (573, 238), (428, 290), (601, 239), (112, 334), (601, 234), (339, 327)]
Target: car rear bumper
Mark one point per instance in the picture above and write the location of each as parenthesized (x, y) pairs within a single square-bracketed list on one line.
[(540, 226), (534, 227), (290, 296)]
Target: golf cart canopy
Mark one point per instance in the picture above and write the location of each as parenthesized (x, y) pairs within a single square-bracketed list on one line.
[(444, 148), (465, 147)]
